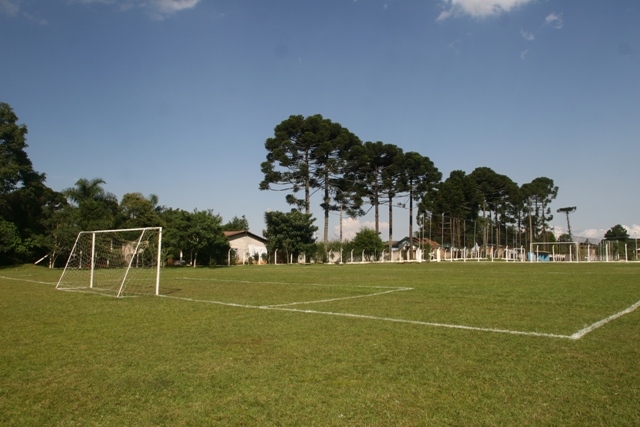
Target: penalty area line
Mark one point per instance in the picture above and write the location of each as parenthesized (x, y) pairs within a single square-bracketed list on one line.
[(418, 322), (336, 299), (283, 307), (230, 304), (603, 322)]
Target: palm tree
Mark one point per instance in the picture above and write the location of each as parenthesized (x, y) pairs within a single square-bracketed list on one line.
[(86, 190), (94, 208)]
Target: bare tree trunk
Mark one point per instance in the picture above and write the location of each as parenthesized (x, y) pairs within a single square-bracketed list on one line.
[(307, 186), (326, 217), (376, 205), (411, 225)]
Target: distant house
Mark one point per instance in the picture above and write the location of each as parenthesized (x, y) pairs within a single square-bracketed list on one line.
[(249, 247), (400, 248)]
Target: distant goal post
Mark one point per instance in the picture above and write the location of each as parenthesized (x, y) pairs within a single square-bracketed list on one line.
[(554, 252), (119, 262)]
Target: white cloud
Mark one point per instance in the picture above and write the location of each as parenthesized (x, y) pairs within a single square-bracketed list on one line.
[(478, 8), (158, 9), (555, 20), (351, 226), (9, 7), (527, 35), (14, 8), (523, 54), (634, 231), (172, 6), (592, 233)]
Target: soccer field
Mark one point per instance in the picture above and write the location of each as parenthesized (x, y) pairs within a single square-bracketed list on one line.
[(414, 344)]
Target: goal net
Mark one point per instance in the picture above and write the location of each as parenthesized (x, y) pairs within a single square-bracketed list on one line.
[(554, 251), (115, 262)]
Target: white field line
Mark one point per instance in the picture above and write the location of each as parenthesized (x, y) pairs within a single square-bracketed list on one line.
[(336, 299), (27, 280), (603, 322), (417, 322), (230, 304), (576, 336), (363, 316), (109, 293), (283, 307), (326, 285)]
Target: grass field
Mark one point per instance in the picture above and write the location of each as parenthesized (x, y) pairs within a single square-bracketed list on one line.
[(463, 344)]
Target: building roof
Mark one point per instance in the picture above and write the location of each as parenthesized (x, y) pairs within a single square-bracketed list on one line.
[(241, 233)]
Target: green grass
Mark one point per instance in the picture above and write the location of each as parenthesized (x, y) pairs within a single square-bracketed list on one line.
[(233, 358)]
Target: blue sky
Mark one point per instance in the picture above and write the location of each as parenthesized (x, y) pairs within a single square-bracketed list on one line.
[(176, 97)]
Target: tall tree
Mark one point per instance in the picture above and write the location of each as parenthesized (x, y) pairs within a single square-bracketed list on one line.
[(25, 202), (307, 154), (288, 163), (420, 178), (540, 193), (330, 159), (372, 161), (392, 185), (457, 199), (16, 169), (347, 197), (495, 191)]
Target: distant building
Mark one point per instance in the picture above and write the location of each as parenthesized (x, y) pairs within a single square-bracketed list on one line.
[(249, 247), (400, 248)]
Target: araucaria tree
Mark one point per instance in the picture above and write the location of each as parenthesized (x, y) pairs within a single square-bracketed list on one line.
[(455, 203), (539, 194), (377, 169), (419, 181), (308, 154)]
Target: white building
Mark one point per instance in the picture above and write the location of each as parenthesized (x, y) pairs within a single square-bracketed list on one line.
[(249, 247)]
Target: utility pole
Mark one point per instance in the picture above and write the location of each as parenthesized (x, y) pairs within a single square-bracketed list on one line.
[(567, 211)]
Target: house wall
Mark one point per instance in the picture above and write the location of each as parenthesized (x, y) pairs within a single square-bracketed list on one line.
[(245, 247)]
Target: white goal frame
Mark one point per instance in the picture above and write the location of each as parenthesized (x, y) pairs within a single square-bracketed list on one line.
[(80, 270), (536, 247)]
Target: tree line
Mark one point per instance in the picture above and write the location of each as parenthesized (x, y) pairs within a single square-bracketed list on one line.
[(307, 158), (312, 155)]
